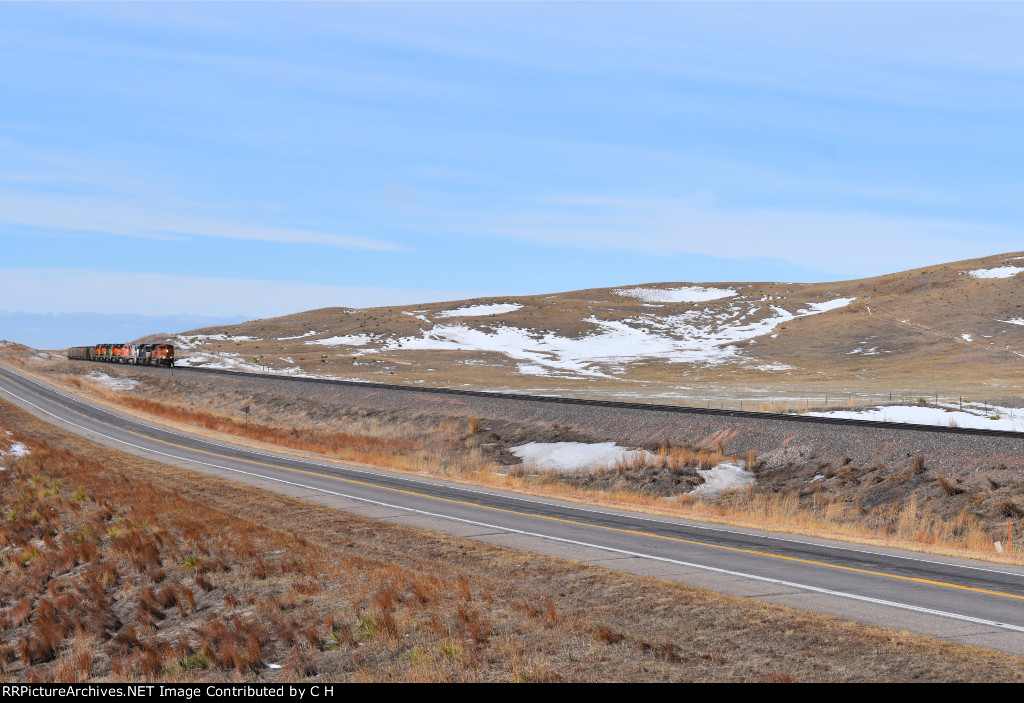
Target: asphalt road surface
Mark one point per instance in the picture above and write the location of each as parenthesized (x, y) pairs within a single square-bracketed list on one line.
[(969, 602)]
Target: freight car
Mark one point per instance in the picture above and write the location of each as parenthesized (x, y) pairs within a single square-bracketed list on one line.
[(148, 354)]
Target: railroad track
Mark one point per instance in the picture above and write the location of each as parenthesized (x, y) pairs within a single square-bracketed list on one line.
[(680, 409)]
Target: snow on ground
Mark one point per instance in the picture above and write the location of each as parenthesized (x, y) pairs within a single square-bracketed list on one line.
[(191, 341), (967, 337), (220, 360), (571, 456), (116, 384), (706, 336), (999, 272), (723, 477), (1015, 321), (775, 367), (348, 340), (871, 351), (479, 310), (949, 414), (15, 449), (696, 336), (815, 308), (686, 294), (307, 334)]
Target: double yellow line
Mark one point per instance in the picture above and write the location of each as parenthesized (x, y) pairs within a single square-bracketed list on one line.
[(587, 524)]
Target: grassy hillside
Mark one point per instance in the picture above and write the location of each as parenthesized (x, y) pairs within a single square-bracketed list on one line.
[(955, 329)]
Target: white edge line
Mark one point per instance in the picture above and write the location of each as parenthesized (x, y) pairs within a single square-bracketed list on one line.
[(765, 579), (468, 489)]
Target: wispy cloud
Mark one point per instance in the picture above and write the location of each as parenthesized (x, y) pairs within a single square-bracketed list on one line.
[(76, 213), (53, 290)]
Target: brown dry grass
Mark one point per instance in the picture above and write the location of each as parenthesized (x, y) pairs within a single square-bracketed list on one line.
[(118, 596)]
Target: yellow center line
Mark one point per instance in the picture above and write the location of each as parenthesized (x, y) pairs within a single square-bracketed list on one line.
[(587, 524)]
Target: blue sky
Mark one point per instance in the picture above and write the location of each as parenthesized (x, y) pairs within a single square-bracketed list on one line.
[(258, 159)]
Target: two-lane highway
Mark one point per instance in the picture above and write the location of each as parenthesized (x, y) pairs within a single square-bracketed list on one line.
[(967, 601)]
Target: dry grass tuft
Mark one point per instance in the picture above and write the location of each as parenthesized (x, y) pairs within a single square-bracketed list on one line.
[(950, 486)]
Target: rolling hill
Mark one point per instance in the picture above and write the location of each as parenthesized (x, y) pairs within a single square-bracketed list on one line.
[(952, 329)]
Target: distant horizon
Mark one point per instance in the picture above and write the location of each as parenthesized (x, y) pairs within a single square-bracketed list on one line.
[(56, 331)]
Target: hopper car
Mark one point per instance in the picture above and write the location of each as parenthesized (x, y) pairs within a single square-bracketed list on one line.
[(148, 354)]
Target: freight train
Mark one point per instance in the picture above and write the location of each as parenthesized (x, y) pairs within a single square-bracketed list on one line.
[(148, 354)]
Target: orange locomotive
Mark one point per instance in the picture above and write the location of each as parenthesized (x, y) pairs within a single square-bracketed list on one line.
[(148, 354)]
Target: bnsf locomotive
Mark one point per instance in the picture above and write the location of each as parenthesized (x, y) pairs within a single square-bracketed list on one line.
[(149, 354)]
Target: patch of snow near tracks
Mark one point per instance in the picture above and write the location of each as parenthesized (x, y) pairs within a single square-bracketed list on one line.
[(686, 294), (722, 477), (1015, 321), (572, 456), (973, 415), (116, 384), (190, 341), (999, 272), (220, 360), (307, 334), (480, 310)]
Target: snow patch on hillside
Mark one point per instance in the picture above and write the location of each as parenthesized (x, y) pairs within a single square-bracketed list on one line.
[(686, 294), (815, 308), (481, 310), (708, 336), (1015, 321), (307, 334), (349, 340), (999, 272)]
